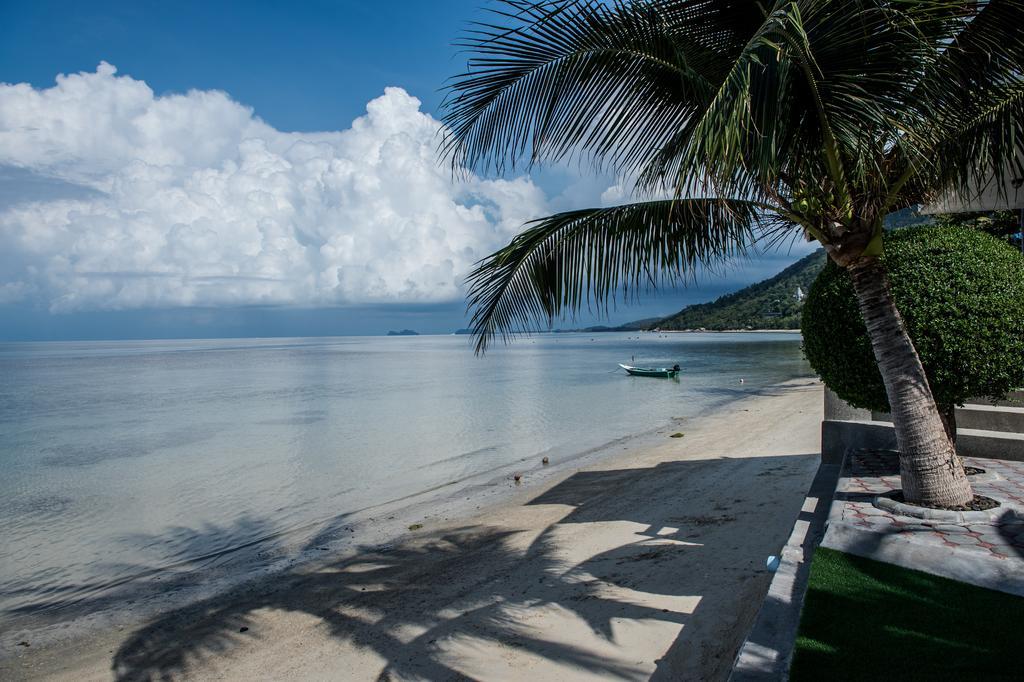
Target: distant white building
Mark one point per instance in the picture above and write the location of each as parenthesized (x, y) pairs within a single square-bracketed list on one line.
[(799, 295)]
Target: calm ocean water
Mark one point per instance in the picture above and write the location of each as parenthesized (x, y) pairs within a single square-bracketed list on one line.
[(126, 459)]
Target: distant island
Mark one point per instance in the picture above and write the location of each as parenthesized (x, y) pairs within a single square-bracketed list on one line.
[(404, 332)]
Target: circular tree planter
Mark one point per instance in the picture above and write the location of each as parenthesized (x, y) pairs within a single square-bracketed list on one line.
[(986, 509)]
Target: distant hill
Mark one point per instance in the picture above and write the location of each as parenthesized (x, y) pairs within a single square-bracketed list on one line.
[(770, 304), (404, 332), (906, 217), (636, 325)]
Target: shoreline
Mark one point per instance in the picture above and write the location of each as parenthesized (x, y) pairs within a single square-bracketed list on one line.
[(155, 590), (76, 646)]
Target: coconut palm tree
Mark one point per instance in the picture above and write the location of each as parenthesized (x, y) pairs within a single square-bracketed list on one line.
[(738, 121)]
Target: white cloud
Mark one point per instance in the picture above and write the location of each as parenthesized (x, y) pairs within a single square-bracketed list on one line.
[(196, 201)]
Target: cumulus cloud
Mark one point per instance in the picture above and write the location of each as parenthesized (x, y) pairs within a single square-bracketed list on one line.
[(192, 200)]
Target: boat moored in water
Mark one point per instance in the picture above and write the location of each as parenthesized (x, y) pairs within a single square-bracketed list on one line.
[(651, 371)]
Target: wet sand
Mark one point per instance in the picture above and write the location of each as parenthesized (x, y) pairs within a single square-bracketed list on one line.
[(648, 564)]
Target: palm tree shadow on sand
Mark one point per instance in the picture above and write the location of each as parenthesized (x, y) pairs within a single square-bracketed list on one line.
[(365, 600), (421, 604)]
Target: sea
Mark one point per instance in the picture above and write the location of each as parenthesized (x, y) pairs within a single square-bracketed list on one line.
[(130, 463)]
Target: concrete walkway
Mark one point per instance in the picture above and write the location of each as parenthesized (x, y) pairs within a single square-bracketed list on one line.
[(768, 649), (985, 549)]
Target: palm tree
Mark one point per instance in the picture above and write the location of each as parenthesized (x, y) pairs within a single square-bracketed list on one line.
[(740, 121)]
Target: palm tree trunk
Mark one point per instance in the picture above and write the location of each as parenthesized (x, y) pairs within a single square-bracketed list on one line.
[(948, 414), (930, 471)]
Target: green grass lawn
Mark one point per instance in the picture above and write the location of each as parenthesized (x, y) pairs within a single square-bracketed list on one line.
[(867, 620)]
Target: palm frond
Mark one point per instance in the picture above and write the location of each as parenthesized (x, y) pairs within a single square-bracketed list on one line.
[(965, 122), (823, 113), (589, 257), (550, 80)]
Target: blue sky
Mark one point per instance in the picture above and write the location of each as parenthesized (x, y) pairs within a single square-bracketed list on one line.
[(308, 65), (251, 169)]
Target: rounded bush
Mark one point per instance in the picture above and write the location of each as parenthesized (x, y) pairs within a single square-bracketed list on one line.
[(961, 294)]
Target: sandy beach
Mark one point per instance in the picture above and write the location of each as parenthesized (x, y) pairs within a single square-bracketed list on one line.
[(648, 564)]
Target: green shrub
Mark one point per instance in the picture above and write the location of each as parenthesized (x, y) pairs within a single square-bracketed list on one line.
[(961, 294)]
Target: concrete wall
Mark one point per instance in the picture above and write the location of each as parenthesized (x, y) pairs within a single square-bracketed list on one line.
[(983, 430), (990, 418), (978, 416), (837, 436), (837, 408)]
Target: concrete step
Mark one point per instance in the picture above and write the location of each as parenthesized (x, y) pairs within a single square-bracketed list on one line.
[(991, 444), (978, 416), (990, 418)]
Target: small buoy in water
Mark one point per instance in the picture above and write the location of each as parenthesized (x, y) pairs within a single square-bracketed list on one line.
[(517, 478), (742, 380), (544, 461), (773, 563)]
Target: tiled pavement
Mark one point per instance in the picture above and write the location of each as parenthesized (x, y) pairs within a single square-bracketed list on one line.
[(989, 552)]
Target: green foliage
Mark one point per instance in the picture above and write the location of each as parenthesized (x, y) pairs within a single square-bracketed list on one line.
[(770, 304), (961, 294), (999, 223)]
